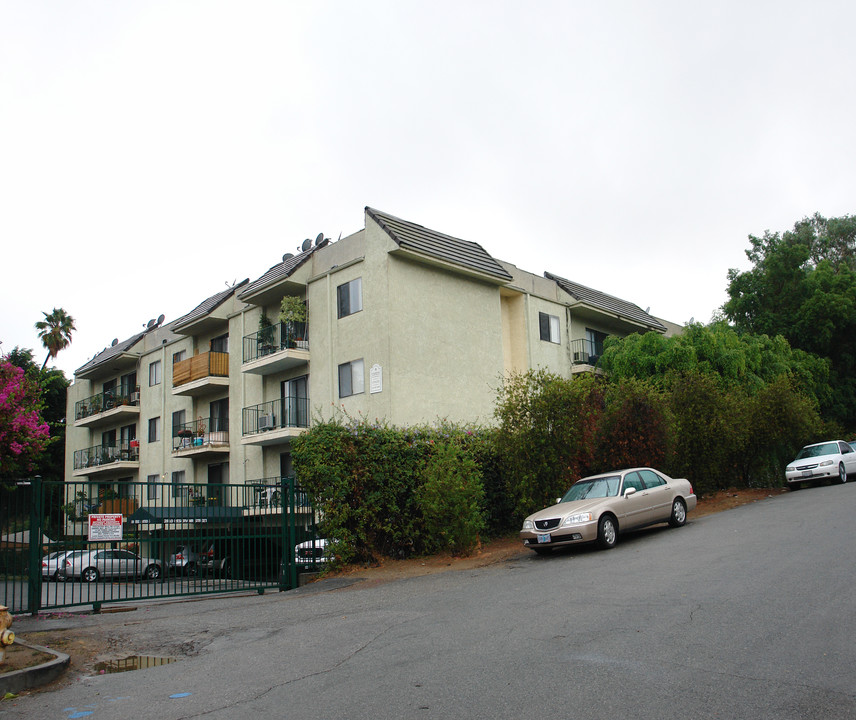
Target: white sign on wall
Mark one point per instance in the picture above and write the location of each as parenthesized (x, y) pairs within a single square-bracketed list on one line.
[(376, 379)]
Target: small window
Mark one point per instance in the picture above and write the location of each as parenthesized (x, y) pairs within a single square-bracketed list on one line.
[(351, 381), (152, 487), (155, 373), (549, 325), (154, 429), (179, 356), (632, 480), (349, 297), (220, 344)]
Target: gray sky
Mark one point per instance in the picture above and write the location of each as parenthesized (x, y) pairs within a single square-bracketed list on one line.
[(151, 153)]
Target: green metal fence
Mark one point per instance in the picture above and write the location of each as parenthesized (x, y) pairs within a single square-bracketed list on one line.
[(89, 543)]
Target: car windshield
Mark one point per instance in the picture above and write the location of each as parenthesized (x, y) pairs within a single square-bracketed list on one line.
[(595, 488), (818, 450)]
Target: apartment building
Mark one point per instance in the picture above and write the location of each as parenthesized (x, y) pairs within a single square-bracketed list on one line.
[(402, 323)]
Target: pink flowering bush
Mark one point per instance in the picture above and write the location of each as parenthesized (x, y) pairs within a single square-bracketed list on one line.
[(23, 433)]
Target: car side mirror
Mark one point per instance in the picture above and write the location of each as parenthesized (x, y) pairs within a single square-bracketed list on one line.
[(558, 500), (629, 491)]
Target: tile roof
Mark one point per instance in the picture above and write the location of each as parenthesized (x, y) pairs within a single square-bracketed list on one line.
[(463, 253), (111, 352), (207, 306), (602, 301), (280, 271)]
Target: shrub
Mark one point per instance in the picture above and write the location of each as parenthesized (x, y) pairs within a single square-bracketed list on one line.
[(452, 500)]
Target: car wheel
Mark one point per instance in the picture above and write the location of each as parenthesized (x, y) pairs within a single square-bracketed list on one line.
[(842, 473), (607, 532), (679, 513), (191, 570), (89, 575), (152, 572)]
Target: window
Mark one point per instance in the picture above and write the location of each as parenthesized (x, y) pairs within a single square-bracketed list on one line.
[(351, 378), (178, 420), (154, 429), (549, 325), (155, 373), (349, 297), (152, 487), (220, 344), (179, 356), (594, 340), (179, 489), (651, 478)]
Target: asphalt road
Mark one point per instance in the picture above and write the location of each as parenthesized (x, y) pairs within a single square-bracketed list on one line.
[(743, 614)]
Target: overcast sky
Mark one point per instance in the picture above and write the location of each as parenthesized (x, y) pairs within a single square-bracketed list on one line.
[(152, 153)]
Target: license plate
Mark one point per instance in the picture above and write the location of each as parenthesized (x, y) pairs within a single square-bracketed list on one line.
[(806, 473), (543, 538)]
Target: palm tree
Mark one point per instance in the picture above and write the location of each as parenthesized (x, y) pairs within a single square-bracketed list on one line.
[(55, 332)]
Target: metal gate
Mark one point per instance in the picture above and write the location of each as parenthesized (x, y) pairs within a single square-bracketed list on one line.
[(87, 543)]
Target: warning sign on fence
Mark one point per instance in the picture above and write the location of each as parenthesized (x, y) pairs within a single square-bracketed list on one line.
[(105, 527)]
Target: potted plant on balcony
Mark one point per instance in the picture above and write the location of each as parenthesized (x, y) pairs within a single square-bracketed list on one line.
[(266, 335), (293, 314)]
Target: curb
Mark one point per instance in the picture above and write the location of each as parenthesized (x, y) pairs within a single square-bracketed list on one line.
[(18, 680)]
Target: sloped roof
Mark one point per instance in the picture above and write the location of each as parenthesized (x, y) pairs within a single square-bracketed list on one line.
[(280, 271), (111, 352), (608, 303), (208, 306), (419, 239)]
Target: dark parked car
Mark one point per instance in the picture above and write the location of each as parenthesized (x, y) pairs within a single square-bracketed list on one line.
[(216, 559)]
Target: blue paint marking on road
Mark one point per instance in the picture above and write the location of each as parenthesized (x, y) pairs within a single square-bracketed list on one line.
[(79, 714), (180, 695)]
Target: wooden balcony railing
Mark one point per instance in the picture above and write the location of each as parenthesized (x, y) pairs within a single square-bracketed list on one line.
[(208, 364)]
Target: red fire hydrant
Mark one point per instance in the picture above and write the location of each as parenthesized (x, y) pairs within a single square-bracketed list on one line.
[(7, 637)]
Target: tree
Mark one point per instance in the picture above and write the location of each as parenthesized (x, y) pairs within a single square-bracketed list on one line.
[(802, 286), (55, 332), (23, 433)]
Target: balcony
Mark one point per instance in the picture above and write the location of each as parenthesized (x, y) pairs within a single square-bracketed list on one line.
[(585, 354), (204, 438), (202, 374), (109, 407), (274, 422), (276, 348), (107, 460)]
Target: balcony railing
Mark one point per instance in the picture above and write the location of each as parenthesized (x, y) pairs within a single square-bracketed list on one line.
[(273, 339), (106, 454), (266, 493), (276, 414), (586, 352), (207, 364), (107, 400), (200, 432)]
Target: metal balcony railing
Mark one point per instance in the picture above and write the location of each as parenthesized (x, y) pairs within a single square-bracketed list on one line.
[(107, 400), (273, 339), (105, 454), (276, 414), (200, 432), (586, 352)]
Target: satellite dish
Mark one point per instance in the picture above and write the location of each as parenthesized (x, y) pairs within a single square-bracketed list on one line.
[(150, 323), (115, 342), (319, 238), (287, 256), (161, 318), (306, 245)]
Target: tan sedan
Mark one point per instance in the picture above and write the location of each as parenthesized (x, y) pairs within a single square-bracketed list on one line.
[(597, 508)]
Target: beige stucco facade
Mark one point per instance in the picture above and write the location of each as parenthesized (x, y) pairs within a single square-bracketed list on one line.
[(431, 330)]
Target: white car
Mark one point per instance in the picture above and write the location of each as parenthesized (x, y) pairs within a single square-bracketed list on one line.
[(90, 565), (312, 552), (832, 460)]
